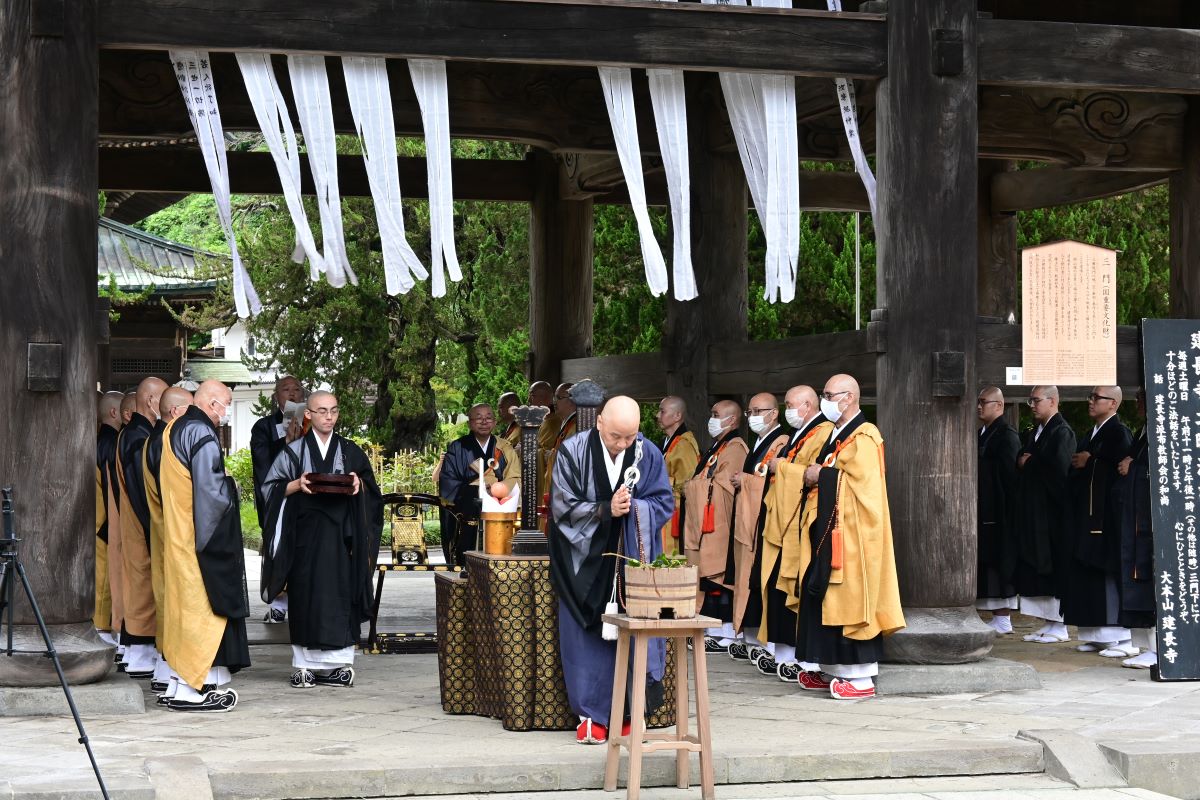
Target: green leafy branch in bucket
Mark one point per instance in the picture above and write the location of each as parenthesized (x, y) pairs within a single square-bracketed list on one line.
[(663, 561)]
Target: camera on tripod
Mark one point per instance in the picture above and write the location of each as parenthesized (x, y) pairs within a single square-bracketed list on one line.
[(8, 540)]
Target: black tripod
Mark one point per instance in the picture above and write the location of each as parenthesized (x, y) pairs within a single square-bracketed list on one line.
[(11, 569)]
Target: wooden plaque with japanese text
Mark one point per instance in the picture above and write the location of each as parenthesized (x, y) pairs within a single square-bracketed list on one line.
[(1069, 315), (1171, 349)]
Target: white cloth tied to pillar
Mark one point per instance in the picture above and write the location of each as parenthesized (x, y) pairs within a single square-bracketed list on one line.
[(848, 106), (370, 97), (617, 83), (194, 73), (275, 121), (429, 80), (310, 88), (669, 101)]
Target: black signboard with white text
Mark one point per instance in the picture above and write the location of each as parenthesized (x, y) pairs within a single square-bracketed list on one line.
[(1171, 349)]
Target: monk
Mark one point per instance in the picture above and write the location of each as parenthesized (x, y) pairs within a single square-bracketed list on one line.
[(849, 594), (707, 521), (108, 613), (204, 604), (682, 454), (137, 590)]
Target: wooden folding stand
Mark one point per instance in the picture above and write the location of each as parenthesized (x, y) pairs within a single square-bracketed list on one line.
[(639, 741)]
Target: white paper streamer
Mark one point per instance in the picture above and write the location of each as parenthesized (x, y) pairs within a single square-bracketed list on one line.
[(670, 120), (194, 74), (669, 102), (617, 83), (429, 80), (849, 110), (310, 88), (275, 121), (371, 103)]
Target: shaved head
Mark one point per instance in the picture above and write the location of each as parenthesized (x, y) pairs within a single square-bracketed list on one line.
[(671, 410), (214, 399), (1104, 402), (148, 393), (174, 402), (1047, 391), (321, 397), (990, 404), (727, 408), (674, 404), (110, 409), (128, 406), (798, 395), (843, 390), (1043, 401), (541, 394), (618, 424)]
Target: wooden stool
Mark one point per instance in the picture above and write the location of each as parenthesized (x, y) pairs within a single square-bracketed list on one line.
[(639, 741)]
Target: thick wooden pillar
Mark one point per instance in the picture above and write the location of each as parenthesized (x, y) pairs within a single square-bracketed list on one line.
[(719, 314), (998, 268), (48, 131), (1185, 222), (927, 243), (561, 239)]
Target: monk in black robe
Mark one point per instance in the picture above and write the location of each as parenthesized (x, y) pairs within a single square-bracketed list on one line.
[(1138, 607), (476, 456), (204, 604), (139, 626), (998, 446), (1092, 598), (107, 614), (268, 437), (1044, 516), (323, 547)]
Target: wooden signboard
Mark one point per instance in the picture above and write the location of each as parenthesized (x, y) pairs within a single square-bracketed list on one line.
[(1069, 315), (1171, 349)]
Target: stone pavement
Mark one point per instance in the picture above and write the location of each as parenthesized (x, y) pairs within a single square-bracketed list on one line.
[(388, 737)]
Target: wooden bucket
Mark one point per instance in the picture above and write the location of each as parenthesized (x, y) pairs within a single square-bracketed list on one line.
[(663, 593), (499, 528)]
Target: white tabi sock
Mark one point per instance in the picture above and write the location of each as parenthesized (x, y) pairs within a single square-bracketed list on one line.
[(162, 670), (784, 654), (809, 666), (280, 603), (862, 683), (172, 687), (1057, 629), (728, 632), (752, 639)]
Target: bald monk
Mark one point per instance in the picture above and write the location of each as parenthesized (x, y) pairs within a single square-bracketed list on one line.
[(599, 505), (741, 571), (543, 394), (565, 408), (1092, 597), (1044, 516), (204, 602), (849, 594), (707, 517), (109, 611), (128, 407), (323, 547), (998, 445), (137, 590), (173, 403), (779, 532), (510, 431), (682, 454)]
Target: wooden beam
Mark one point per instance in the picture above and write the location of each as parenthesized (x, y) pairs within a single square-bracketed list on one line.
[(1025, 53), (636, 34), (1027, 189), (996, 289), (175, 170), (776, 366)]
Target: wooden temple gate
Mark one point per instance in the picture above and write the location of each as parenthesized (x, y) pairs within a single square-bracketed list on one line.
[(950, 93)]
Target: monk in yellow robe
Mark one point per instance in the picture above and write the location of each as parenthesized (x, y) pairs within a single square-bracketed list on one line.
[(849, 597), (779, 536), (507, 426), (565, 408), (137, 593), (107, 614), (542, 394), (708, 498), (173, 403), (204, 603), (682, 454)]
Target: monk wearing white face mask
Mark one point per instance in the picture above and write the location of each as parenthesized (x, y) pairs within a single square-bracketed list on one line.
[(707, 518)]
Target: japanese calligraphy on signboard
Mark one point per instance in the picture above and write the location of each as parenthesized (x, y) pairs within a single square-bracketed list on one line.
[(1069, 313), (1171, 348)]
